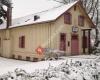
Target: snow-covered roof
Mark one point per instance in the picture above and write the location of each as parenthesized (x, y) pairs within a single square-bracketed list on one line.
[(44, 16)]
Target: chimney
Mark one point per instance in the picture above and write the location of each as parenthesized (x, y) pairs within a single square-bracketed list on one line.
[(9, 15)]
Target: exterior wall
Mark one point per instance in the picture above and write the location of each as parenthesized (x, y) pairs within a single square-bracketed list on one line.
[(5, 49), (2, 34), (46, 35), (61, 27), (35, 36)]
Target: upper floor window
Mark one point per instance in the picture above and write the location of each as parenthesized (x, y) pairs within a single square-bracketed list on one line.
[(74, 8), (81, 20), (22, 42), (67, 18)]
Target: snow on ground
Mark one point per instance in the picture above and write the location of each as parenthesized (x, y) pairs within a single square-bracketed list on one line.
[(10, 65), (84, 67)]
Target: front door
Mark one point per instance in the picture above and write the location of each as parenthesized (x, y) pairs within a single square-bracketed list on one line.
[(63, 42), (74, 45)]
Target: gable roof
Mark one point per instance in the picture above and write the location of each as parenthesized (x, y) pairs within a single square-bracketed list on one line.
[(45, 16)]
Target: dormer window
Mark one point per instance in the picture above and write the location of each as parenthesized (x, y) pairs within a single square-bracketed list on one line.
[(67, 18), (36, 17)]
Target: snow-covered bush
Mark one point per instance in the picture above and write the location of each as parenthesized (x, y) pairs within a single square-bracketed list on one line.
[(52, 53), (69, 70)]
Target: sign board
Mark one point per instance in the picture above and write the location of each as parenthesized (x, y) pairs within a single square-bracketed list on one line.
[(74, 29)]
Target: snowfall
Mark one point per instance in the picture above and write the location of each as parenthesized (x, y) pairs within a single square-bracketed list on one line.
[(84, 67)]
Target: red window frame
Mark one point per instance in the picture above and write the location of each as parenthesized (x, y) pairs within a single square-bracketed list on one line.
[(22, 42), (63, 41), (67, 18), (81, 20)]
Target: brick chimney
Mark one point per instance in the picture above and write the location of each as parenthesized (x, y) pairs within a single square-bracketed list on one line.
[(9, 16)]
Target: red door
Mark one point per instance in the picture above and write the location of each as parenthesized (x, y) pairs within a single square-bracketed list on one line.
[(74, 45), (63, 42)]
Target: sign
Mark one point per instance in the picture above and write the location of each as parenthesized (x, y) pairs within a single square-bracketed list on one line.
[(74, 29), (40, 50)]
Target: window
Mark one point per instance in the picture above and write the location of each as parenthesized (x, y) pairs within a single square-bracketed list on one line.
[(22, 42), (85, 42), (81, 20), (74, 8), (67, 18), (63, 42)]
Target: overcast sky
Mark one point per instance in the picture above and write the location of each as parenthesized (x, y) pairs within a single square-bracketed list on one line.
[(25, 7)]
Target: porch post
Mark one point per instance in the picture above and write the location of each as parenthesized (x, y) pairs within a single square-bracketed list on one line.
[(89, 42), (83, 41)]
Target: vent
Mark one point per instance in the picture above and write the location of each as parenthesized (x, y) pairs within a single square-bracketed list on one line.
[(27, 58), (35, 59), (13, 56), (19, 57), (36, 17)]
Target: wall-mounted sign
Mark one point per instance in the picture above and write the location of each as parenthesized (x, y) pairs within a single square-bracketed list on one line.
[(74, 29)]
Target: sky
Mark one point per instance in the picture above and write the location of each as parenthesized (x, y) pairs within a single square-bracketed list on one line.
[(25, 7)]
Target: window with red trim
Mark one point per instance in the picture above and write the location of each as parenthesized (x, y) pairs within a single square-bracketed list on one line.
[(81, 20), (63, 41), (22, 42), (85, 42), (67, 18)]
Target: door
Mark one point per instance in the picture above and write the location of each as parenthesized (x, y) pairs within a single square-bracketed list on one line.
[(74, 45), (63, 41)]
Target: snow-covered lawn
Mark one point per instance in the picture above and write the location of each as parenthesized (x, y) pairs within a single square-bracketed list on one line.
[(85, 67), (11, 65)]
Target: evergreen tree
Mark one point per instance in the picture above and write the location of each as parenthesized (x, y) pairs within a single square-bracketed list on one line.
[(3, 12)]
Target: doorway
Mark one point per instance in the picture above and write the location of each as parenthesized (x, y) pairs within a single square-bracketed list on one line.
[(74, 45)]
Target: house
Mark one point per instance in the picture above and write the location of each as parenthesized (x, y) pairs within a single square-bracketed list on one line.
[(65, 28)]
